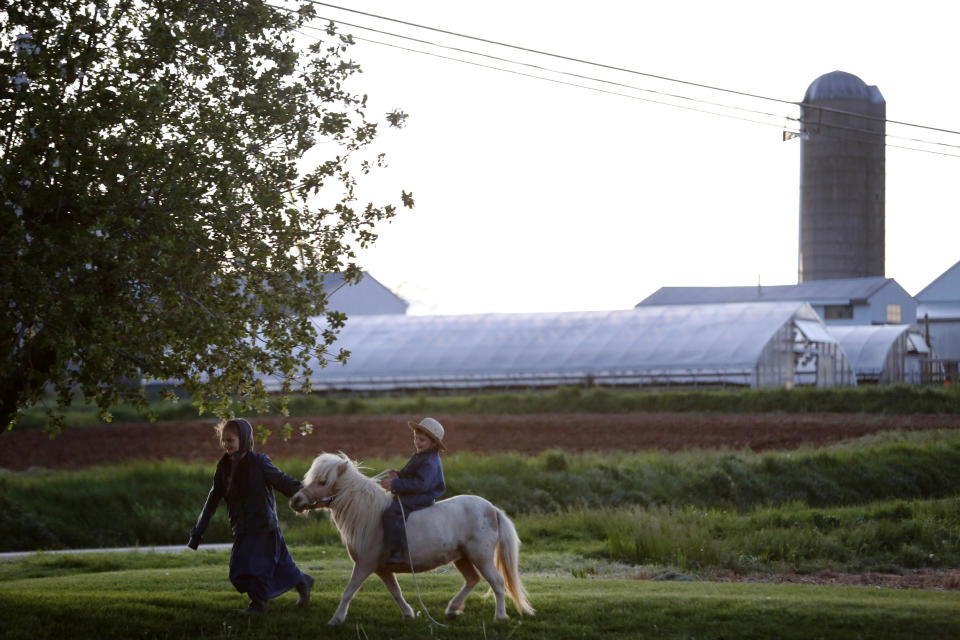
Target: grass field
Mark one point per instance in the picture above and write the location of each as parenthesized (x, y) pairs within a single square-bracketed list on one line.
[(188, 595), (886, 399), (880, 503), (598, 530)]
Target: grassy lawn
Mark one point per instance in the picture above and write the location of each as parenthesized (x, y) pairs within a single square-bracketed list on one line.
[(188, 596), (879, 504)]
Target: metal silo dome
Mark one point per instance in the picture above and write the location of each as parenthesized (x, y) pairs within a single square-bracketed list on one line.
[(840, 85), (842, 179)]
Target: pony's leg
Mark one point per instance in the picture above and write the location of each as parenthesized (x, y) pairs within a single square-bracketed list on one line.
[(356, 579), (489, 572), (470, 580), (390, 579)]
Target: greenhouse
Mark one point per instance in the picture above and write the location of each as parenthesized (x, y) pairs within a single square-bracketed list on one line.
[(884, 354), (776, 344)]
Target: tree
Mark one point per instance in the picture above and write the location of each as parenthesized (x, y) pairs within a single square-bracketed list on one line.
[(156, 220)]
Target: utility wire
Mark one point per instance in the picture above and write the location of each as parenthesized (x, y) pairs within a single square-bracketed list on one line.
[(626, 70), (545, 53), (801, 133), (781, 125), (583, 86), (537, 67), (627, 86)]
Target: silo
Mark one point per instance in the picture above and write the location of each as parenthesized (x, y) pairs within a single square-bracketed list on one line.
[(842, 179)]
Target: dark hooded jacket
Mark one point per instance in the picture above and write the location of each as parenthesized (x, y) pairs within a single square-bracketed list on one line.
[(246, 481)]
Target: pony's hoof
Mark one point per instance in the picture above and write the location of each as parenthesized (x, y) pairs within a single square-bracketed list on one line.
[(334, 622), (453, 615)]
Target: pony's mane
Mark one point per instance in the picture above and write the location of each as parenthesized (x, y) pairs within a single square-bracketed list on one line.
[(359, 501), (320, 467)]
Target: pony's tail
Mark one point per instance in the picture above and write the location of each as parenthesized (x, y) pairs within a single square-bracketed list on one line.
[(507, 560)]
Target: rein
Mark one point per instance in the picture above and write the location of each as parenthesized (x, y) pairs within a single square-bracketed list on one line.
[(413, 574)]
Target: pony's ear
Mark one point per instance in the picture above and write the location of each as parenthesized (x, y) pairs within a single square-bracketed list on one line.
[(342, 467), (342, 455)]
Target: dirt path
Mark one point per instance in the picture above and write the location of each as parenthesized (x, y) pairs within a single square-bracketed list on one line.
[(383, 436)]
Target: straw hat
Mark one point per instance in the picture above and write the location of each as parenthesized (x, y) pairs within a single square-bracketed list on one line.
[(430, 427)]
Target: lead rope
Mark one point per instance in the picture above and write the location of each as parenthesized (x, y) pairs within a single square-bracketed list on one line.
[(403, 516)]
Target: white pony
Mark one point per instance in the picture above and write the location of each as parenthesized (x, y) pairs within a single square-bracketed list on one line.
[(466, 530)]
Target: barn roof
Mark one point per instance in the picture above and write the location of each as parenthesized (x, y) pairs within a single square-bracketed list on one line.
[(840, 291), (945, 288)]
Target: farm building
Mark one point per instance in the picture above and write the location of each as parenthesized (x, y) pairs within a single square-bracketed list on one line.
[(847, 301), (773, 344), (884, 354), (938, 311), (366, 297)]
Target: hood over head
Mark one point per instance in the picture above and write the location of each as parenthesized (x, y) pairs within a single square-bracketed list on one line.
[(244, 434), (238, 459)]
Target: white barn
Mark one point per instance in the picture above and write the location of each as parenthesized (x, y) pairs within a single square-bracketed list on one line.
[(364, 298), (938, 311)]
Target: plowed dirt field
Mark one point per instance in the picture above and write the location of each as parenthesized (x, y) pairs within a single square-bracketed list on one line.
[(364, 437)]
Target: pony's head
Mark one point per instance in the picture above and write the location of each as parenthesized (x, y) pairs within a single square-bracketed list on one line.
[(319, 485)]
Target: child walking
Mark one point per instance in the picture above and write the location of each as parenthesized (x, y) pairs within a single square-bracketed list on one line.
[(260, 564), (416, 486)]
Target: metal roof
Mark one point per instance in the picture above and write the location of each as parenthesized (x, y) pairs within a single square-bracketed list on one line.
[(840, 291), (334, 282), (945, 288), (841, 85)]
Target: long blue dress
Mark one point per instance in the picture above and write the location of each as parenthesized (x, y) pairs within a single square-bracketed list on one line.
[(260, 563)]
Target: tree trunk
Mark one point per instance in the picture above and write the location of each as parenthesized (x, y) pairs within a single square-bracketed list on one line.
[(29, 373)]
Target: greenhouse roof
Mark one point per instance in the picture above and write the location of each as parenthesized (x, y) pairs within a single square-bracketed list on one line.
[(867, 346), (720, 338)]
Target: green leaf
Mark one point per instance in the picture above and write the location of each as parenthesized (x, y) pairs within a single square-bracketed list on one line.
[(165, 223)]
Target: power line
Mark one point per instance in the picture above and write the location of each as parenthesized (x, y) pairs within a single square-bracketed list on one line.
[(538, 67), (653, 91), (582, 86), (546, 53), (625, 70), (782, 125)]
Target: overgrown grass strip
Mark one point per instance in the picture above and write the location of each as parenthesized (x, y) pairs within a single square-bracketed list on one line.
[(886, 399)]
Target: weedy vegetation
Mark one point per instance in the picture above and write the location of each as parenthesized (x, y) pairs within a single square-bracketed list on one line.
[(882, 503), (599, 533), (887, 399)]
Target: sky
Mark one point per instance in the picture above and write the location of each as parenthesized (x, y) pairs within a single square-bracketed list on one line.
[(539, 196)]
